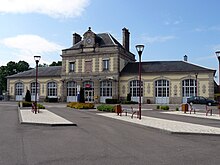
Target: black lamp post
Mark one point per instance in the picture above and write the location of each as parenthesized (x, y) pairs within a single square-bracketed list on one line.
[(37, 59), (196, 74), (140, 49)]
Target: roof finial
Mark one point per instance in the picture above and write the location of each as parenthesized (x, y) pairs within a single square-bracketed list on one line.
[(89, 28)]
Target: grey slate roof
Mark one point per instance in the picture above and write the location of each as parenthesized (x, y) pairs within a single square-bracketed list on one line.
[(52, 71), (103, 39), (163, 66)]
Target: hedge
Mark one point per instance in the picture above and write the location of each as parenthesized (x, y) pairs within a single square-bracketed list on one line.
[(77, 105), (29, 104), (106, 108)]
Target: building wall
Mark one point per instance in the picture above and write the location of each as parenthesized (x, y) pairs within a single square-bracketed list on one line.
[(205, 85), (27, 86)]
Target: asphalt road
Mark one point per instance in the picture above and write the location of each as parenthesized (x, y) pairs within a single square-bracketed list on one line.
[(98, 140)]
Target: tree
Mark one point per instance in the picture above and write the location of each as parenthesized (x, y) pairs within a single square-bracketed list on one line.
[(82, 97), (28, 96), (44, 65), (10, 69), (58, 63), (22, 66)]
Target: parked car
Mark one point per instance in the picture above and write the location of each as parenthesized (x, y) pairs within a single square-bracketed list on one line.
[(201, 100)]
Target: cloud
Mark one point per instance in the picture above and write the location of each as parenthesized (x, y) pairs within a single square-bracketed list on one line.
[(53, 8), (24, 47), (205, 29), (148, 39)]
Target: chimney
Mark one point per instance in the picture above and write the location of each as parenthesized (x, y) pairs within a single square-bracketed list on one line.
[(76, 38), (126, 38), (185, 58)]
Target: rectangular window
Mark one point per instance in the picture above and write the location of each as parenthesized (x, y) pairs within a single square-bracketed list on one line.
[(88, 66), (71, 66), (106, 64)]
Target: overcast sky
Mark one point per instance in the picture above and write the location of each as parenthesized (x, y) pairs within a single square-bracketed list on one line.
[(169, 29)]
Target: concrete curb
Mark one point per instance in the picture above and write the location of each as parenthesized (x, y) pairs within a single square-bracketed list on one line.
[(53, 124)]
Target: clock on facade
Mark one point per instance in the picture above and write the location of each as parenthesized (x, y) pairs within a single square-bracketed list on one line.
[(89, 40)]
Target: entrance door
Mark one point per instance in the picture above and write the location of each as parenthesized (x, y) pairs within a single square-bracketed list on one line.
[(89, 95), (88, 91)]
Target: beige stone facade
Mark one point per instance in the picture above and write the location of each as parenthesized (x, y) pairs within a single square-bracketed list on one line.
[(103, 68)]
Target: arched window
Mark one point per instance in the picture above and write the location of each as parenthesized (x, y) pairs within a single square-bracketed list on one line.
[(134, 88), (19, 88), (52, 89), (105, 88), (162, 88), (33, 88)]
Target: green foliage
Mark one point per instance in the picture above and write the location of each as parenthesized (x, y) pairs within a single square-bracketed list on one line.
[(111, 101), (26, 104), (10, 69), (106, 108), (82, 97), (28, 96), (29, 104), (129, 97), (58, 63), (129, 102), (77, 105), (163, 107), (177, 109), (40, 106)]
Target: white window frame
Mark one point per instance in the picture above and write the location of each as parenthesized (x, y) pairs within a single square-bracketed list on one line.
[(52, 90), (106, 88), (105, 63), (19, 88), (72, 66)]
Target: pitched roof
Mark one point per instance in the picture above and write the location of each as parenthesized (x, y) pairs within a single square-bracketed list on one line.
[(163, 66), (103, 39), (52, 71)]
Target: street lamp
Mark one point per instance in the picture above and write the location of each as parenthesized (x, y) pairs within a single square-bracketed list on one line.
[(37, 59), (140, 49), (196, 74)]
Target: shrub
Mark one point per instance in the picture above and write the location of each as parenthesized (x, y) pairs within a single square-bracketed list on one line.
[(111, 101), (40, 106), (28, 96), (164, 107), (81, 105), (52, 100), (81, 97), (26, 104), (29, 104), (129, 97), (106, 108), (129, 102)]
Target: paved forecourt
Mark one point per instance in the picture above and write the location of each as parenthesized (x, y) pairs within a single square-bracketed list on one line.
[(167, 125), (44, 117)]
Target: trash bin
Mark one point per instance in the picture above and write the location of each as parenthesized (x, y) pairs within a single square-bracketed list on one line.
[(118, 109), (185, 108)]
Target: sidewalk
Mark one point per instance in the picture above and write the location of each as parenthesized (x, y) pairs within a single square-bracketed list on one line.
[(44, 117), (168, 125)]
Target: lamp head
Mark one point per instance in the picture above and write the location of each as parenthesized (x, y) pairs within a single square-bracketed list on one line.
[(37, 58), (139, 49)]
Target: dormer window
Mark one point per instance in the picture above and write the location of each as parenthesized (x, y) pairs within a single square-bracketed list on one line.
[(105, 64)]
